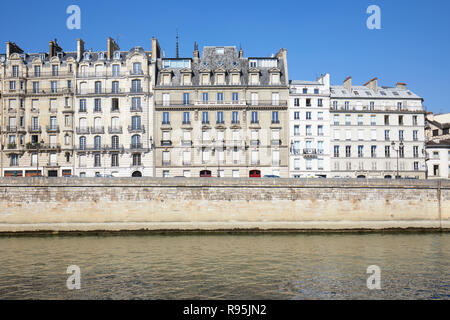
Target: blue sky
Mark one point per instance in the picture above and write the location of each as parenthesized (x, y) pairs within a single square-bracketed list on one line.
[(413, 45)]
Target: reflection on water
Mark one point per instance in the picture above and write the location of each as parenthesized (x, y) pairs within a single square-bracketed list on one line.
[(245, 266)]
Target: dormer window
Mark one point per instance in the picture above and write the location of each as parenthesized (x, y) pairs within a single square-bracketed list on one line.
[(60, 55), (253, 63), (101, 56), (117, 55), (186, 77), (87, 56), (220, 50)]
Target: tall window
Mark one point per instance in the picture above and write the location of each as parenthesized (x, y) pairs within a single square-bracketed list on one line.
[(220, 97), (82, 105), (186, 119), (373, 151), (185, 98), (136, 159), (336, 151), (137, 68), (115, 87), (136, 86), (235, 117), (205, 97), (98, 87), (275, 117), (115, 70), (115, 142), (166, 119), (97, 142), (114, 160), (235, 97), (98, 105), (205, 119), (136, 141), (254, 117), (219, 116), (55, 70), (37, 71), (136, 104), (97, 160), (83, 143), (135, 122), (360, 151)]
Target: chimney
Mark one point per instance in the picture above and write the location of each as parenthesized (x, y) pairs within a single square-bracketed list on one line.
[(156, 50), (51, 50), (401, 86), (11, 48), (348, 84), (196, 53), (241, 52), (80, 49), (282, 55), (372, 84), (111, 47)]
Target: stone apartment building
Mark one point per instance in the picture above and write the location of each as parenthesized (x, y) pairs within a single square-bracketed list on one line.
[(377, 131), (113, 111), (221, 114), (309, 128), (36, 114), (438, 145)]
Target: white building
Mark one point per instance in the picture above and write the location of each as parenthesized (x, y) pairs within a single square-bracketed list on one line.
[(309, 128), (377, 132), (439, 159)]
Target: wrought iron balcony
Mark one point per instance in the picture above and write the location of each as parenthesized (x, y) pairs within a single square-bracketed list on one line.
[(98, 130), (82, 130), (166, 143), (115, 130), (136, 129), (53, 128)]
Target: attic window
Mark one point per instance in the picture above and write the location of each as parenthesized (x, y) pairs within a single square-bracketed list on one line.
[(220, 50), (205, 63), (42, 56), (395, 93), (409, 93), (368, 93), (356, 93), (235, 63), (101, 56), (219, 63), (60, 55), (343, 92), (117, 55), (87, 56), (383, 93)]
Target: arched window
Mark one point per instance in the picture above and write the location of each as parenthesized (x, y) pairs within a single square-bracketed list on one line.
[(115, 142), (97, 142), (83, 143), (83, 123), (137, 68), (136, 141), (97, 122)]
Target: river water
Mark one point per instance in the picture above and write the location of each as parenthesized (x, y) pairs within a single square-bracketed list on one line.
[(227, 266)]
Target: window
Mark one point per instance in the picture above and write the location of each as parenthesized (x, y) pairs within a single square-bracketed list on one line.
[(114, 160), (136, 86), (219, 116), (415, 120), (14, 160), (98, 87), (347, 119), (275, 117), (336, 119), (372, 105), (82, 105), (400, 120), (308, 130), (82, 143), (346, 105), (186, 119), (254, 117), (336, 151), (308, 102), (12, 85), (386, 135), (136, 141), (401, 151), (235, 96), (115, 142), (115, 104), (97, 160), (136, 122), (35, 87), (373, 120), (136, 104), (400, 135), (320, 115), (166, 119), (219, 97), (308, 115), (296, 115), (97, 142), (373, 151), (416, 166), (360, 151), (348, 151), (319, 102), (387, 151), (296, 130), (415, 151), (254, 98), (320, 130), (205, 97), (136, 159), (116, 70), (360, 120), (137, 68), (15, 71), (205, 119), (235, 117), (37, 71), (305, 90), (55, 70), (415, 135), (185, 98), (98, 105), (296, 102), (115, 87), (335, 105)]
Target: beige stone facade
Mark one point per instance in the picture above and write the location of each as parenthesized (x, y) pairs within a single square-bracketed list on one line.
[(220, 114), (37, 114)]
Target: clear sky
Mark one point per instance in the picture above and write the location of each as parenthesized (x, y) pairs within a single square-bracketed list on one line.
[(413, 45)]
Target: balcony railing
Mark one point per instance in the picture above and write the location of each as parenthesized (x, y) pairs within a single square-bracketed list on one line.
[(136, 129), (275, 142), (136, 90), (98, 130), (115, 130), (53, 128), (136, 109), (135, 146), (166, 162), (82, 130), (309, 152), (50, 74), (166, 143), (186, 143), (255, 142)]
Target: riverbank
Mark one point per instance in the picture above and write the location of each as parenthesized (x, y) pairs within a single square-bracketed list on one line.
[(47, 205)]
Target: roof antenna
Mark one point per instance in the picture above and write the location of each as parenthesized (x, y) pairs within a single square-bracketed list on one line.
[(118, 37), (177, 45)]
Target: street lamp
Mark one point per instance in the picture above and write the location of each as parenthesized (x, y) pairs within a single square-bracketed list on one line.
[(398, 150)]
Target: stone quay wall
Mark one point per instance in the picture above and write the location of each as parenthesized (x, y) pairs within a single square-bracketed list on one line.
[(212, 204)]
